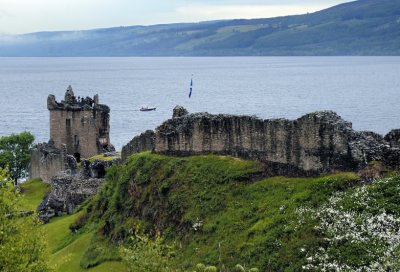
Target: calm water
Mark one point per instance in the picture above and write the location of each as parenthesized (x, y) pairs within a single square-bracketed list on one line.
[(363, 90)]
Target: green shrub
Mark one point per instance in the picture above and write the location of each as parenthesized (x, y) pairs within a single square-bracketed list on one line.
[(239, 268), (210, 269), (142, 254), (200, 267)]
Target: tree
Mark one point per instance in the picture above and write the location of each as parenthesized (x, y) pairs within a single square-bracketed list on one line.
[(15, 152), (21, 240)]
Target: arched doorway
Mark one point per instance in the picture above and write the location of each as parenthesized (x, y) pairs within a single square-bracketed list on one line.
[(77, 157)]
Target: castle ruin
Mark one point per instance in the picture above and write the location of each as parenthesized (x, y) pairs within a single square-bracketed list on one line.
[(79, 128), (320, 142)]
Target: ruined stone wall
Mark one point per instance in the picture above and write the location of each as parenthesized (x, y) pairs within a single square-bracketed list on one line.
[(71, 189), (144, 141), (79, 136), (312, 144), (46, 162), (315, 142), (393, 137)]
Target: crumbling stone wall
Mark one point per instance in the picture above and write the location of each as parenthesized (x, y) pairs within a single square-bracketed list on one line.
[(80, 125), (70, 189), (144, 141), (312, 144), (46, 162), (393, 137)]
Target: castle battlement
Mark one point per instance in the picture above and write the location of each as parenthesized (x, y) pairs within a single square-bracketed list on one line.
[(73, 103), (79, 125)]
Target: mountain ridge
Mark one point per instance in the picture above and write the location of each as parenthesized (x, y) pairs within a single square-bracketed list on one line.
[(364, 27)]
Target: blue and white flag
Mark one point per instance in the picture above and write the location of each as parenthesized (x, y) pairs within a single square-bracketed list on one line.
[(191, 87)]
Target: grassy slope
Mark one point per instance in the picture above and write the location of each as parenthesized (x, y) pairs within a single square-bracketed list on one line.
[(32, 193), (238, 220), (66, 249), (214, 209)]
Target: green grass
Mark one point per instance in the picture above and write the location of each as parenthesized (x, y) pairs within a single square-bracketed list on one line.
[(239, 219), (210, 209), (32, 193), (105, 158), (68, 259), (58, 234), (68, 249), (65, 249)]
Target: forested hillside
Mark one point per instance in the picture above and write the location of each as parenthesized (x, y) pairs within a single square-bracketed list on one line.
[(364, 27)]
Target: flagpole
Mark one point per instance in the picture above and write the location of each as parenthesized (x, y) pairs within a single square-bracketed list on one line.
[(191, 86)]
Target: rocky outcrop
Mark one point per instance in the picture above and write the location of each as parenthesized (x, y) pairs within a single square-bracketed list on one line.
[(144, 141), (69, 190), (312, 144)]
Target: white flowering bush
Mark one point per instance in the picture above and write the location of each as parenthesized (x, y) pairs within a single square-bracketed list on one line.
[(360, 227), (197, 224)]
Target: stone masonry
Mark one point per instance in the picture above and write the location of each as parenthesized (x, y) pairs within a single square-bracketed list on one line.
[(68, 191), (315, 143), (79, 128), (80, 125)]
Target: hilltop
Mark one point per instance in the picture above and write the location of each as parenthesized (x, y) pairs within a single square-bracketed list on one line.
[(364, 27), (219, 211)]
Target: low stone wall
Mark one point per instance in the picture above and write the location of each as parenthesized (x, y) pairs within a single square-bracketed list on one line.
[(314, 143), (46, 162)]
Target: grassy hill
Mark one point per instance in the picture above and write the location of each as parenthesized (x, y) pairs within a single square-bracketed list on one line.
[(364, 27), (216, 210), (162, 213)]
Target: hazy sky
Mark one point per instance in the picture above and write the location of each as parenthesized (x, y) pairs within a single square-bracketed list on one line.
[(22, 16)]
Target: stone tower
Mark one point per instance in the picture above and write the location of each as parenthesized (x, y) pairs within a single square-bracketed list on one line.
[(80, 126)]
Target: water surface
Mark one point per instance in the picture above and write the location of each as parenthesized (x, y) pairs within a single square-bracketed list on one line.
[(363, 90)]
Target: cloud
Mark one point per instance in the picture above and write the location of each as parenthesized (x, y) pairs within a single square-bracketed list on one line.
[(5, 14)]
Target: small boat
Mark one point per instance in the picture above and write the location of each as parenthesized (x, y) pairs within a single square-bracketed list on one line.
[(147, 109)]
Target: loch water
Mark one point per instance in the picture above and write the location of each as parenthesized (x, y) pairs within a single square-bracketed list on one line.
[(363, 90)]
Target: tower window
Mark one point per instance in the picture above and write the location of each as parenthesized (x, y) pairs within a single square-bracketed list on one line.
[(76, 140), (68, 123)]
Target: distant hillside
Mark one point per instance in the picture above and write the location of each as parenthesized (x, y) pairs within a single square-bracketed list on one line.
[(364, 27)]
